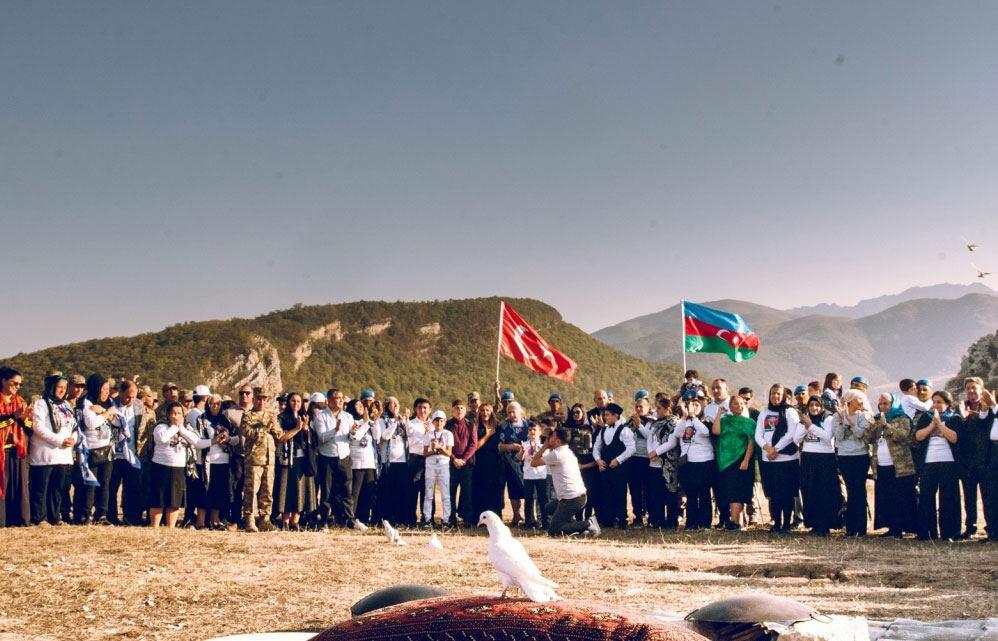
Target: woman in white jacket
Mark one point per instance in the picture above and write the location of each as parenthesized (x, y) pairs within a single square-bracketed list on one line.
[(168, 484), (51, 451)]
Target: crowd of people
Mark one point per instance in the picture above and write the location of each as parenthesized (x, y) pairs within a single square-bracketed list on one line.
[(104, 452)]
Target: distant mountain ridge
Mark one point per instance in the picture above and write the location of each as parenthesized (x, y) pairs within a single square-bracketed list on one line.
[(915, 338), (869, 306), (438, 349)]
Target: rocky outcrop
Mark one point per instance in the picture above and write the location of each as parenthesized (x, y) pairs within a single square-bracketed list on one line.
[(331, 331), (259, 366), (981, 360)]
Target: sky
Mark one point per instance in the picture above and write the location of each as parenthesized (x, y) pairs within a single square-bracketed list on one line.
[(167, 162)]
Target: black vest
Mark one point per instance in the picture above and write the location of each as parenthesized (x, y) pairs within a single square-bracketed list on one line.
[(614, 448)]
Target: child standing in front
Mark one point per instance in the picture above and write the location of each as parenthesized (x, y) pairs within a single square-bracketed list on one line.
[(437, 446), (535, 479)]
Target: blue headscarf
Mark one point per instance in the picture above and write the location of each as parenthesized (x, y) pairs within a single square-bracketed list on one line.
[(895, 411)]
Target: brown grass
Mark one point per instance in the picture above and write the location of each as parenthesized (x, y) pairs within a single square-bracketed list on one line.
[(136, 583)]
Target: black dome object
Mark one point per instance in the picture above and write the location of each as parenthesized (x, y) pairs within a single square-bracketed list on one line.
[(393, 596), (753, 608)]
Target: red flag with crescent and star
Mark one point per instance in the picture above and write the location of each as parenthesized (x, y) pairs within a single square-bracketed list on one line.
[(522, 343)]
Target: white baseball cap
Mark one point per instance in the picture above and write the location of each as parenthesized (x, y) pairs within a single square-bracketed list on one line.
[(438, 414), (202, 390), (317, 397)]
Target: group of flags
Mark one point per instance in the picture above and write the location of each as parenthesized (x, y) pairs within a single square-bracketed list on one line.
[(703, 330)]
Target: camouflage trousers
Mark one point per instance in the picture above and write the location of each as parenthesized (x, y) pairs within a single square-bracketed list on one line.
[(257, 489)]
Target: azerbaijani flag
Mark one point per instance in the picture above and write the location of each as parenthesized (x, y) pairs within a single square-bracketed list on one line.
[(711, 330)]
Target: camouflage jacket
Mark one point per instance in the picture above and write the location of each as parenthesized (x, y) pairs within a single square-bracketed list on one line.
[(257, 431), (898, 434)]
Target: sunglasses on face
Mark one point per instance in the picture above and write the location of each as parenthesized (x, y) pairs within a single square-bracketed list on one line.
[(245, 393), (15, 383)]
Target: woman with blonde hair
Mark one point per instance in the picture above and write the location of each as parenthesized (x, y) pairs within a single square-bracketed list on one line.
[(853, 456)]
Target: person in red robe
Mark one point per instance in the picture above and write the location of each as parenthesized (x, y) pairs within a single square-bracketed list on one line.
[(15, 427)]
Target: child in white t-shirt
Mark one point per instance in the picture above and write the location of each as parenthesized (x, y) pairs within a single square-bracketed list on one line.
[(536, 485), (437, 445)]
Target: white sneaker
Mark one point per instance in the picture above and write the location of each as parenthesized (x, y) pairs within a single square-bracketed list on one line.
[(360, 527), (594, 528)]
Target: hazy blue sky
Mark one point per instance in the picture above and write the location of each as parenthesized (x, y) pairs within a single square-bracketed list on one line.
[(162, 162)]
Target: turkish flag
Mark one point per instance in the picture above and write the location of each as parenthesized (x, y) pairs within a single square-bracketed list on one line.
[(522, 343)]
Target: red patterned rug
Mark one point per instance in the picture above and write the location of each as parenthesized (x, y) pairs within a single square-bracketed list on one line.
[(482, 618)]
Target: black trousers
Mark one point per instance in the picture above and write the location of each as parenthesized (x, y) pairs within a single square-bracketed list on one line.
[(88, 498), (989, 489), (66, 502), (938, 479), (324, 466), (15, 506), (127, 479), (238, 467), (854, 470), (655, 497), (343, 492), (393, 490), (591, 479), (45, 486), (637, 484), (537, 492), (560, 513), (417, 468), (362, 493), (970, 480), (613, 486), (462, 479)]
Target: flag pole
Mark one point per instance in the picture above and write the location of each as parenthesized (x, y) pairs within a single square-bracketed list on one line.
[(502, 308), (682, 331)]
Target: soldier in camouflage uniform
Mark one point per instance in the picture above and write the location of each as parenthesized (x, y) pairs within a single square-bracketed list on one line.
[(557, 412), (257, 431)]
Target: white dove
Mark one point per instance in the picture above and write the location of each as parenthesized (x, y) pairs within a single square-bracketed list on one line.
[(512, 563), (434, 542), (391, 533)]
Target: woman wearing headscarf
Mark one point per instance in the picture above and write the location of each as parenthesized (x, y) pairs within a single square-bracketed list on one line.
[(780, 465), (853, 456), (936, 434), (894, 496), (394, 481), (51, 450), (819, 475), (487, 478), (735, 449), (15, 427), (96, 428), (294, 479), (215, 425)]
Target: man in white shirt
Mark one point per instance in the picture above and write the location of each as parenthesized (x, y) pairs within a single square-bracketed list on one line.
[(569, 489), (416, 429), (614, 446), (332, 431), (201, 396)]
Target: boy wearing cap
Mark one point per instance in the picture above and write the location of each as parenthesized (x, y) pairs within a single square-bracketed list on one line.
[(614, 446), (438, 444), (915, 397)]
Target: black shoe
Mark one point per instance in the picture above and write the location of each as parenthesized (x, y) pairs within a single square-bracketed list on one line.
[(731, 525), (102, 521)]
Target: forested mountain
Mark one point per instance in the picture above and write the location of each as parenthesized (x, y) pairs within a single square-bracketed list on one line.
[(439, 349)]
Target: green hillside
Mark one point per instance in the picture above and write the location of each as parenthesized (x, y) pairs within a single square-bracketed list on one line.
[(439, 349)]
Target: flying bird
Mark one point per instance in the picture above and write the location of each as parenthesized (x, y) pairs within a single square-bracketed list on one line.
[(512, 563), (434, 542), (391, 533), (980, 273), (970, 246)]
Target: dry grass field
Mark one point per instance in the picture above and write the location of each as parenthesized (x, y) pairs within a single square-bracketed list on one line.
[(136, 583)]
